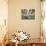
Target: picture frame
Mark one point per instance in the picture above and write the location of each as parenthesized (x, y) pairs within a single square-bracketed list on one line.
[(28, 14)]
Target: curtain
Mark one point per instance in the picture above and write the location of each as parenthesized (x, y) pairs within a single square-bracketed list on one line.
[(3, 18)]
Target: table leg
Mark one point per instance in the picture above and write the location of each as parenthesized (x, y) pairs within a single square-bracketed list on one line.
[(32, 44)]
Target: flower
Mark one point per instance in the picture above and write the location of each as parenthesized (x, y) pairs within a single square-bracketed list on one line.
[(21, 36)]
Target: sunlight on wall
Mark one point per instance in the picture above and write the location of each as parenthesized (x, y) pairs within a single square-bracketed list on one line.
[(3, 18)]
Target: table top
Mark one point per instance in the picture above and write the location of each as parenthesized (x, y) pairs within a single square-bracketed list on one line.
[(32, 41)]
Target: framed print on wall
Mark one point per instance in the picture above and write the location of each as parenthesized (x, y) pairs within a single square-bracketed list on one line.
[(28, 14)]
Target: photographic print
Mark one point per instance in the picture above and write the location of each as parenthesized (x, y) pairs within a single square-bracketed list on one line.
[(28, 14)]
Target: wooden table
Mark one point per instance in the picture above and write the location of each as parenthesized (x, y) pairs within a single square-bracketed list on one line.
[(40, 44), (33, 42)]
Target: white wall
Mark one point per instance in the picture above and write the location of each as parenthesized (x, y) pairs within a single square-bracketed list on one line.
[(15, 21)]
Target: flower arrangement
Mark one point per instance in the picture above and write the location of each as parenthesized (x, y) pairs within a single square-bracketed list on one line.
[(21, 36)]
